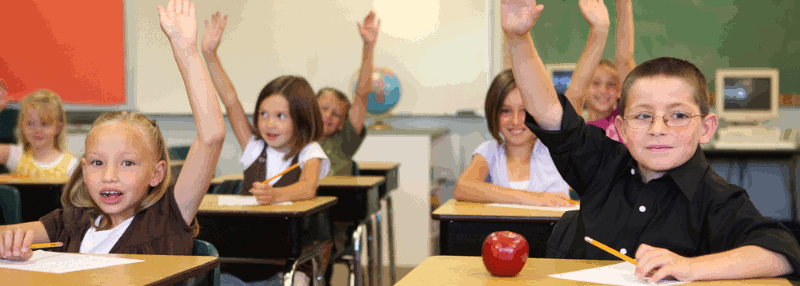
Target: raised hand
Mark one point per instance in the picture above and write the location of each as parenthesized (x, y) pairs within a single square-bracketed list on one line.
[(15, 244), (213, 34), (3, 95), (369, 30), (517, 17), (179, 23), (595, 12)]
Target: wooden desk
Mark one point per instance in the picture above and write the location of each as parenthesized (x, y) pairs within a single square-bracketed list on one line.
[(388, 170), (272, 232), (220, 179), (466, 271), (154, 270), (465, 225), (38, 197), (358, 196)]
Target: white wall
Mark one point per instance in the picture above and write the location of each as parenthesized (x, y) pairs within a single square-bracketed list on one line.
[(438, 48)]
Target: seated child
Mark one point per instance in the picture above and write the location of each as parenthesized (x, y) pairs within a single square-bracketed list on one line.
[(658, 200)]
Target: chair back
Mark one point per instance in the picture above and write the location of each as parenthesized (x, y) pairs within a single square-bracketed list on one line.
[(10, 205), (204, 248)]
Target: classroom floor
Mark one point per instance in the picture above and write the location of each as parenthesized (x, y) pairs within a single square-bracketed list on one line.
[(340, 275)]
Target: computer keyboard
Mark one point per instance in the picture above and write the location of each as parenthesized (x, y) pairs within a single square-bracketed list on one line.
[(754, 138)]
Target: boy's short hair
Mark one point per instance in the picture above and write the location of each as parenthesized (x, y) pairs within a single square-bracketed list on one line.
[(340, 96), (303, 109), (669, 67), (501, 86)]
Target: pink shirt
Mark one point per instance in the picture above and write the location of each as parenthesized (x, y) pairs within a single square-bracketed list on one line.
[(608, 125)]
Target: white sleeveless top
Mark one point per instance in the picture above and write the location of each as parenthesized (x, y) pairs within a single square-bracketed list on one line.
[(544, 176)]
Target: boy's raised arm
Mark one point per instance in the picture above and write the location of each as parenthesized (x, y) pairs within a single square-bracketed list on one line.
[(517, 18)]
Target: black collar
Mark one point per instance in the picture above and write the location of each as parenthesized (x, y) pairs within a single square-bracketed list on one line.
[(688, 177)]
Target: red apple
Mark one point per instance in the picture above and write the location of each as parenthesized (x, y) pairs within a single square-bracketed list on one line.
[(504, 253)]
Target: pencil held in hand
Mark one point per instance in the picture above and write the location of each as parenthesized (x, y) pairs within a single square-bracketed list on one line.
[(609, 250), (281, 174), (46, 245)]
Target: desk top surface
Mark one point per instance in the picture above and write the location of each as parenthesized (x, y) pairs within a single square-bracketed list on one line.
[(378, 166), (17, 180), (467, 270), (155, 269), (468, 211), (209, 206), (329, 181)]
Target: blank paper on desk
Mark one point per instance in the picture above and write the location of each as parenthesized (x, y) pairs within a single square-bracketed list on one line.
[(243, 201), (615, 274), (563, 209), (56, 262)]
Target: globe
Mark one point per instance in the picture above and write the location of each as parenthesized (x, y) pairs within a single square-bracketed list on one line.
[(384, 95)]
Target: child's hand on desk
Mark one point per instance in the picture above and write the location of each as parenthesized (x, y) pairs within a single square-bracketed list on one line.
[(552, 200), (518, 16), (264, 193), (16, 244), (659, 263)]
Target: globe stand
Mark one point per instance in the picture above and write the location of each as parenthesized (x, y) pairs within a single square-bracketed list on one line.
[(379, 124)]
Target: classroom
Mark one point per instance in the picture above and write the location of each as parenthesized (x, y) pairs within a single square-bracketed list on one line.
[(407, 154)]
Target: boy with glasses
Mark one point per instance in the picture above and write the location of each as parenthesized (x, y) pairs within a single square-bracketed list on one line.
[(657, 200)]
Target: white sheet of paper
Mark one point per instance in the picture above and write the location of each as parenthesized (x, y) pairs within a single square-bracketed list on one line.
[(576, 207), (243, 201), (56, 262), (615, 274)]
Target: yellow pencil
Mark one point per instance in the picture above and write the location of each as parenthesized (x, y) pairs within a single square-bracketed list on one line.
[(281, 174), (609, 250), (47, 245)]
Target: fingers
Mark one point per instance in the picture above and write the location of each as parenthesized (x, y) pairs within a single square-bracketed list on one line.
[(191, 9), (206, 21), (224, 22), (8, 240), (26, 243), (650, 264), (171, 6), (643, 248), (162, 13), (17, 248), (661, 273)]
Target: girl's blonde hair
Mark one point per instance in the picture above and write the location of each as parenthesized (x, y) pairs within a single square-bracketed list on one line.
[(51, 111), (76, 195)]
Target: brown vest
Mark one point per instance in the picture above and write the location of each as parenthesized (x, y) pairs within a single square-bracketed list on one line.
[(257, 172)]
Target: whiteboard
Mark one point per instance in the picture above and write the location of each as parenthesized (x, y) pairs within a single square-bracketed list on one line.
[(439, 49)]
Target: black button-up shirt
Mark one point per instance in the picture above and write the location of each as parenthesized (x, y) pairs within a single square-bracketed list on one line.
[(690, 210)]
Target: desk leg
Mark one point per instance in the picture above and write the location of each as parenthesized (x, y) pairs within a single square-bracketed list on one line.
[(356, 272), (390, 233), (318, 275), (370, 251), (379, 247)]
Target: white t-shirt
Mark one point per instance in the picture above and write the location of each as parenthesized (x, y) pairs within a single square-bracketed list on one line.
[(101, 242), (544, 176), (275, 162), (15, 154)]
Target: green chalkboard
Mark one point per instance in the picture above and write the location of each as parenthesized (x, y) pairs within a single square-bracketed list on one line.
[(711, 34)]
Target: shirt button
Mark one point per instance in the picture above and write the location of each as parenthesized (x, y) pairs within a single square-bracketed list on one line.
[(623, 251), (632, 171), (642, 208)]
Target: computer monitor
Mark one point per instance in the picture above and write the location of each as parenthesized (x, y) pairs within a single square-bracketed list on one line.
[(747, 95), (561, 74)]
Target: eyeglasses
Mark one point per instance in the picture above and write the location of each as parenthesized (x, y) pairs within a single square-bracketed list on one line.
[(673, 119)]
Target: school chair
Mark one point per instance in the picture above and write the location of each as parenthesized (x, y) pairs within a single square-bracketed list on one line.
[(563, 235), (204, 248), (356, 172), (228, 187), (10, 205), (178, 152)]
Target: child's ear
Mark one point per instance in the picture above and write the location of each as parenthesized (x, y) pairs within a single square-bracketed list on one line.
[(710, 124), (622, 129), (160, 172)]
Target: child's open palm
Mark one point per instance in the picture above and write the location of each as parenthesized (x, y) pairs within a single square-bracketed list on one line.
[(213, 34), (370, 29), (179, 23), (595, 12), (519, 16)]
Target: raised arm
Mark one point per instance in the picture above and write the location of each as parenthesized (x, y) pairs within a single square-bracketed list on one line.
[(596, 14), (471, 187), (625, 62), (369, 34), (517, 18), (179, 23), (211, 40)]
